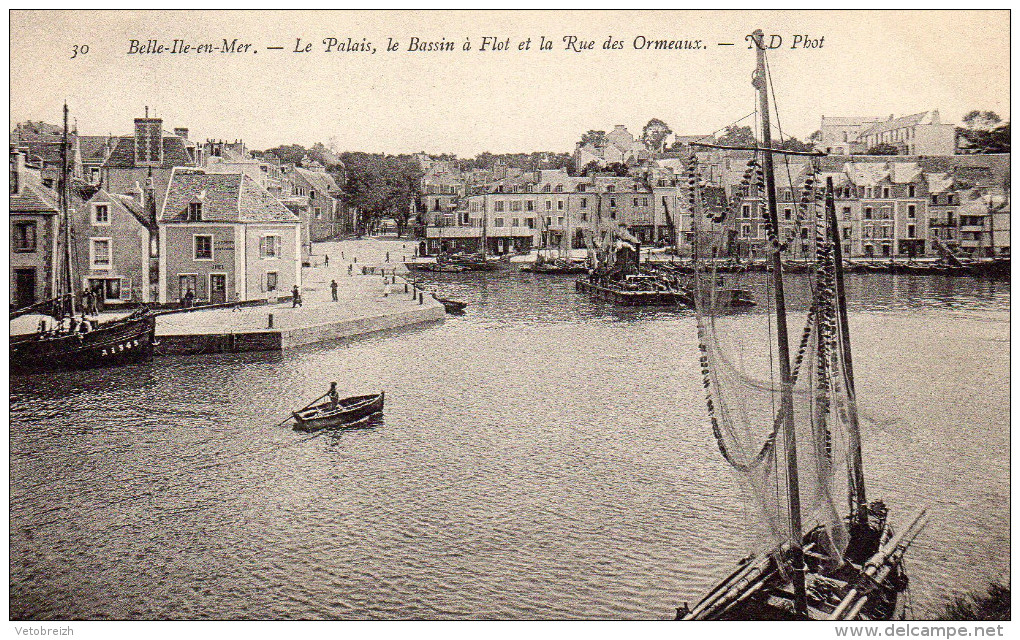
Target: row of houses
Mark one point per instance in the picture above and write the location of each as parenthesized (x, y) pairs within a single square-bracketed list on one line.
[(157, 218), (887, 208)]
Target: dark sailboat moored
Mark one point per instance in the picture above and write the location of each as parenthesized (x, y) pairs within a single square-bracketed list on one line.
[(74, 341), (789, 429)]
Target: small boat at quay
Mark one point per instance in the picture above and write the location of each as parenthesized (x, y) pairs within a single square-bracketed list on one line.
[(451, 306), (347, 411)]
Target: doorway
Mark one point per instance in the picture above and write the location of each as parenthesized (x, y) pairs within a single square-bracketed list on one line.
[(217, 288), (24, 288)]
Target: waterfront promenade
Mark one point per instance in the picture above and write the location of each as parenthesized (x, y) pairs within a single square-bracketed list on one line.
[(362, 307)]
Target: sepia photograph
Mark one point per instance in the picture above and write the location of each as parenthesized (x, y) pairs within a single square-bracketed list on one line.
[(510, 315)]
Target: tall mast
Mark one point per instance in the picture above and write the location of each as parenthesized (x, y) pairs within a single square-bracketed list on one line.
[(760, 82), (65, 217), (858, 499)]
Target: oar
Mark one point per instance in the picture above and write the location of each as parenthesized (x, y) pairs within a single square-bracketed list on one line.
[(282, 422)]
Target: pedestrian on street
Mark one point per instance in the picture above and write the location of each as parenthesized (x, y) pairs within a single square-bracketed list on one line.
[(387, 256), (332, 287), (327, 259), (350, 269), (296, 293)]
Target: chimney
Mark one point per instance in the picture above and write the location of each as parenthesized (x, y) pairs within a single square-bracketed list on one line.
[(935, 117), (181, 132), (148, 141), (17, 171), (149, 199), (137, 193)]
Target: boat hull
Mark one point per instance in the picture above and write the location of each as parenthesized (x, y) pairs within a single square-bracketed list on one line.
[(109, 345), (627, 298), (348, 412)]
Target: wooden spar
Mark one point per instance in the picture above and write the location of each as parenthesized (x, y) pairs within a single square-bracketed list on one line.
[(890, 553), (66, 219), (858, 497), (786, 380), (767, 148)]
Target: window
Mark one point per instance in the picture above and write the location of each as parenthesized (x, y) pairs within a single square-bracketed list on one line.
[(24, 236), (911, 191), (530, 222), (559, 221), (203, 248), (934, 198), (885, 192), (272, 280), (515, 205), (745, 231), (846, 213), (788, 213), (911, 211), (99, 253), (910, 231), (530, 206), (846, 233), (548, 205), (610, 188), (101, 214), (94, 175), (635, 202), (499, 205), (867, 213), (745, 211), (949, 198), (644, 202), (110, 288), (269, 246), (612, 203), (195, 211), (318, 213), (499, 222), (584, 203), (311, 194), (559, 205), (559, 188)]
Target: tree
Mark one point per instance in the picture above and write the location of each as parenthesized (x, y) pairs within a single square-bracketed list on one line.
[(594, 138), (793, 144), (883, 149), (983, 133), (738, 137), (816, 136), (654, 135)]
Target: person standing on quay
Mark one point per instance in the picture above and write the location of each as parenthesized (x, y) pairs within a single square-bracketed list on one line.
[(332, 286), (327, 259), (296, 300)]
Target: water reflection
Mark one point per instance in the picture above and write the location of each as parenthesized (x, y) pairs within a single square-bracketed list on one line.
[(542, 456)]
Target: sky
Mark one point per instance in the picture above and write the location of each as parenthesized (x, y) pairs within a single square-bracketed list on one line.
[(870, 63)]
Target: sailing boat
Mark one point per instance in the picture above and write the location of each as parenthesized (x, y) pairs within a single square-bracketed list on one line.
[(71, 346), (792, 452)]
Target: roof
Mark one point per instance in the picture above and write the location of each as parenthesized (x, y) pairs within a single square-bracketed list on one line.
[(225, 197), (851, 121), (46, 151), (866, 173), (895, 123), (123, 155), (318, 179), (34, 197), (93, 148), (939, 182), (126, 202), (904, 172)]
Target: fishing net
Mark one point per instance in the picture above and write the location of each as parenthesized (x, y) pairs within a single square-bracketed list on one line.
[(733, 287)]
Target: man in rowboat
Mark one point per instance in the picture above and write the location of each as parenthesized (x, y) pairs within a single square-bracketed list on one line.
[(334, 397)]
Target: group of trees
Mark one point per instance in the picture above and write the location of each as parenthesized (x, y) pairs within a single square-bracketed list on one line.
[(983, 132)]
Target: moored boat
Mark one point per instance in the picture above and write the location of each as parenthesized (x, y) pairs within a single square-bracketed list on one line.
[(787, 423)]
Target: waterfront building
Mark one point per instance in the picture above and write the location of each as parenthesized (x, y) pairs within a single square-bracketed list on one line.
[(33, 215), (224, 235), (323, 218), (115, 238)]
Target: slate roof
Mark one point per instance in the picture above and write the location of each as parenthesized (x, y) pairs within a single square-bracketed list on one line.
[(319, 180), (34, 197), (225, 197), (93, 148), (904, 172), (939, 182), (45, 151), (895, 123), (175, 153)]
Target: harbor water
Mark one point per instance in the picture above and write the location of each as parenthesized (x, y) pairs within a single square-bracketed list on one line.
[(541, 457)]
